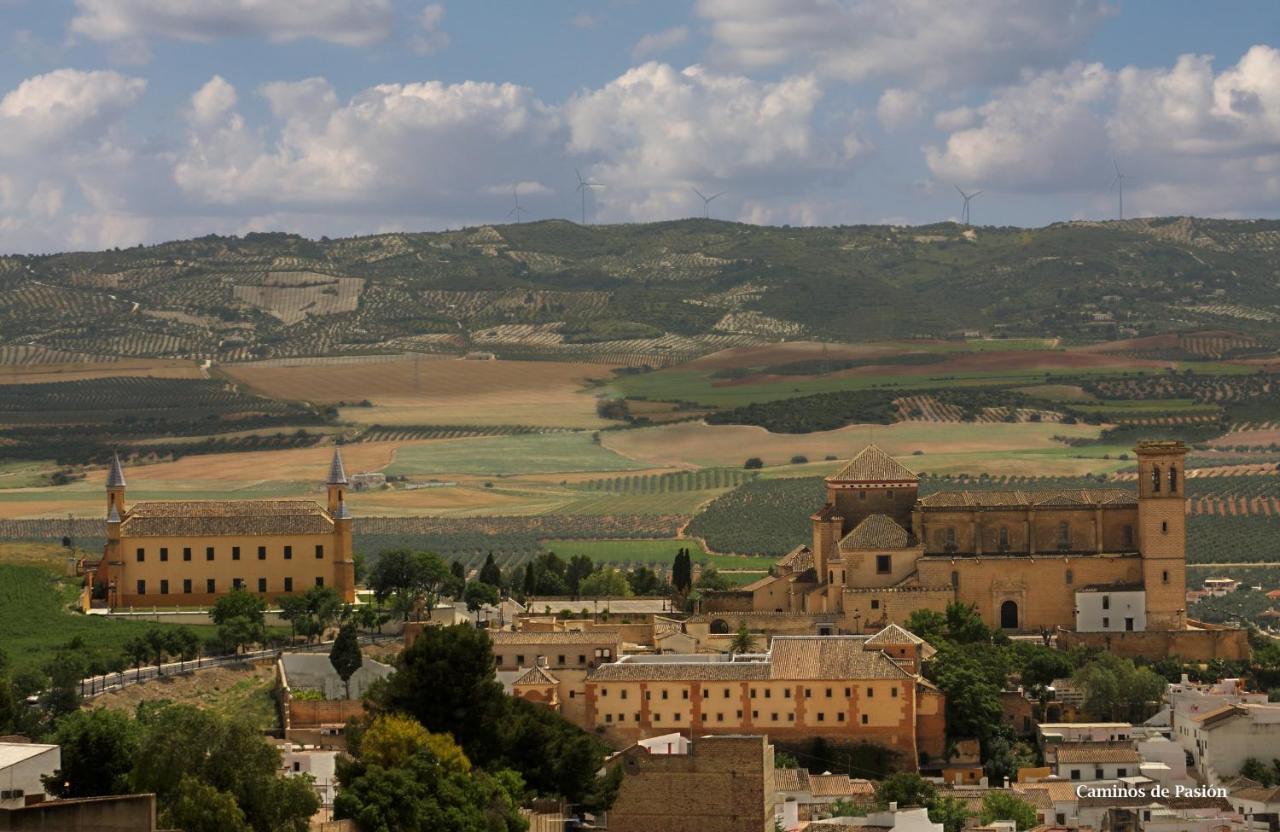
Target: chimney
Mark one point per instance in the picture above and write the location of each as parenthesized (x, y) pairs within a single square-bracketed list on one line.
[(542, 662)]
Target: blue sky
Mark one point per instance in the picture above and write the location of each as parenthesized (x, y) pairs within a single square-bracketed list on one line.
[(131, 121)]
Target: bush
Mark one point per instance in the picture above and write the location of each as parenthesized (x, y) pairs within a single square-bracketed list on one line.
[(799, 459), (753, 463)]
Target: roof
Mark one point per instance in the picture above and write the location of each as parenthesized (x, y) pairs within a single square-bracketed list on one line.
[(113, 516), (1059, 791), (877, 531), (598, 636), (12, 753), (115, 477), (1097, 752), (1259, 794), (894, 634), (791, 658), (1212, 718), (537, 675), (1026, 499), (972, 797), (791, 779), (838, 785), (872, 464), (166, 518), (337, 473), (798, 559)]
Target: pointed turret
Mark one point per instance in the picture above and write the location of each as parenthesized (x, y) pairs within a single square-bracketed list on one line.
[(337, 472), (113, 516), (115, 477)]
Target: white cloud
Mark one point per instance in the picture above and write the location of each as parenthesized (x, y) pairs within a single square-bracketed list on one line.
[(347, 22), (656, 43), (932, 44), (957, 119), (1191, 140), (898, 108), (585, 20), (213, 101), (429, 38), (63, 108)]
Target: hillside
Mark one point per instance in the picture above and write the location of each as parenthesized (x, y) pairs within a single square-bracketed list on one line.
[(652, 294)]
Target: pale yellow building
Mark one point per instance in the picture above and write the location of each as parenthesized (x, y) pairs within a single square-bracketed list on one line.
[(189, 552)]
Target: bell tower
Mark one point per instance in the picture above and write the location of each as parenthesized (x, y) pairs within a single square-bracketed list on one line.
[(115, 487), (344, 565), (336, 483), (1162, 531)]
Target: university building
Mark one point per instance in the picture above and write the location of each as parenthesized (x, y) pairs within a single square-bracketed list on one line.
[(189, 552), (1027, 560)]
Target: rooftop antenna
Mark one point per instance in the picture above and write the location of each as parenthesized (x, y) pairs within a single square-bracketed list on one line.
[(584, 186), (519, 209), (706, 202), (1118, 184), (964, 214)]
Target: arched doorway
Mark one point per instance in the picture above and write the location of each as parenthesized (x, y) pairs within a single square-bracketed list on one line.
[(719, 626), (1009, 615)]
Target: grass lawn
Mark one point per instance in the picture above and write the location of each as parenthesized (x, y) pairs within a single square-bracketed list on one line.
[(498, 455), (652, 551)]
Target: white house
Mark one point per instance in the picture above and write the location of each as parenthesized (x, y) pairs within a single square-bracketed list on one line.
[(894, 820), (322, 766), (1225, 738), (1101, 609), (22, 764), (1190, 700), (1164, 761), (1096, 760)]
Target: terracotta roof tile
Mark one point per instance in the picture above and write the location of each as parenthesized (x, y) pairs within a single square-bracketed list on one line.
[(1059, 791), (537, 676), (679, 672), (894, 634), (876, 532), (839, 785), (1097, 752), (198, 518), (791, 779), (555, 637), (830, 657), (871, 464), (798, 559), (1027, 499)]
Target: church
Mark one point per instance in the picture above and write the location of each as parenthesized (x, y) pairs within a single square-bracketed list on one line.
[(190, 552), (1028, 560)]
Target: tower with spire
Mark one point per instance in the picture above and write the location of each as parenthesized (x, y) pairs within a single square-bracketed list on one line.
[(344, 556)]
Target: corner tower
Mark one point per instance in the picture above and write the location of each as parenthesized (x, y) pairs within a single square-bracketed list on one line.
[(344, 565), (1162, 531), (873, 483), (336, 483), (115, 487)]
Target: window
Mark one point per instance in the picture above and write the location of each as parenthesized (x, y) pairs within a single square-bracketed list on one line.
[(664, 694), (262, 553), (786, 693), (840, 716), (1122, 772), (739, 715), (1098, 774), (288, 584), (235, 553), (186, 553), (142, 555), (319, 551), (822, 717), (186, 586), (582, 659), (848, 692), (608, 717), (520, 660), (164, 587), (884, 564), (210, 585), (164, 554), (774, 716), (1164, 576), (1071, 577), (755, 714), (684, 694), (1075, 774), (893, 692), (875, 603), (560, 660), (1155, 479), (262, 584), (288, 553), (1106, 602), (950, 536), (808, 693), (1064, 535), (753, 693), (319, 580), (871, 693), (676, 716), (142, 587), (237, 583), (865, 720), (1128, 536), (726, 693), (1106, 622), (1173, 487), (768, 693), (1004, 537), (828, 693), (719, 717), (831, 576), (955, 579), (1164, 526)]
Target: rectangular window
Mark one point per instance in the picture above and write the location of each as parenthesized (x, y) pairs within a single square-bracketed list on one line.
[(1165, 576), (664, 694), (719, 717), (208, 553), (871, 692), (1098, 774), (186, 586), (164, 587), (1122, 772), (1128, 536), (822, 717), (774, 716), (186, 553), (1075, 774), (840, 717), (739, 715), (210, 585), (142, 554), (893, 693), (235, 552), (319, 581), (875, 603), (262, 584), (288, 553), (142, 587), (786, 693), (1106, 602), (884, 564), (288, 584), (1106, 622), (726, 693), (864, 719), (684, 694), (561, 660), (828, 693), (676, 717), (262, 553), (768, 693), (848, 692), (753, 693), (319, 551), (237, 583), (622, 694), (164, 554), (755, 714), (808, 693), (520, 660), (608, 717), (582, 659)]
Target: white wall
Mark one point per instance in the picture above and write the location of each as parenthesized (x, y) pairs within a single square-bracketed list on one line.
[(1089, 771), (1224, 747), (26, 764), (1109, 612)]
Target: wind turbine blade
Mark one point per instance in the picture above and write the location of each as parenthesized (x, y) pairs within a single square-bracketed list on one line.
[(962, 193), (1117, 164), (700, 194), (713, 197), (975, 193), (578, 173)]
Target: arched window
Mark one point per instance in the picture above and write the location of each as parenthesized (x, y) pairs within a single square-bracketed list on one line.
[(1155, 478), (1173, 479)]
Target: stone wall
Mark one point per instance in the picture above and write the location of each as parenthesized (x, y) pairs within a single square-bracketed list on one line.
[(124, 813), (1192, 645)]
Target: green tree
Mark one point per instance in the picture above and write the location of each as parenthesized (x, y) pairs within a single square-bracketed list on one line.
[(644, 581), (682, 572), (457, 580), (1116, 689), (391, 740), (199, 807), (411, 580), (743, 641), (424, 796), (905, 789), (98, 750), (1256, 770), (530, 584), (712, 580), (138, 652), (479, 594), (951, 812), (605, 583), (241, 619), (293, 608), (158, 641), (345, 655), (490, 572), (578, 568), (1000, 805)]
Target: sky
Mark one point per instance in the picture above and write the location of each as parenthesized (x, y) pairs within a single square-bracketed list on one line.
[(137, 121)]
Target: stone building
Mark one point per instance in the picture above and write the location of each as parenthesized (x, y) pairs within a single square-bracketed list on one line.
[(1020, 557), (180, 552)]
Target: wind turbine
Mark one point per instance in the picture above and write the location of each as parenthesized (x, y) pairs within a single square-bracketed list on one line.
[(584, 186), (519, 209), (706, 202), (1118, 183), (964, 214)]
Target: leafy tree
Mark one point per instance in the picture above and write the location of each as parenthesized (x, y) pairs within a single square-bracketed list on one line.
[(199, 807), (845, 808), (1116, 689), (426, 795), (409, 579), (184, 644), (391, 740), (930, 625), (479, 594), (951, 812), (743, 641), (345, 655), (1256, 770), (293, 608), (458, 579), (1001, 805), (972, 688), (905, 789), (606, 583), (782, 759), (241, 618), (712, 580), (530, 580), (1004, 755), (490, 572), (753, 463), (98, 750), (138, 651), (578, 568), (644, 581), (158, 641), (682, 572)]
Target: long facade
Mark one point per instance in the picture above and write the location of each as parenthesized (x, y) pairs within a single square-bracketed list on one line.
[(880, 550), (177, 552)]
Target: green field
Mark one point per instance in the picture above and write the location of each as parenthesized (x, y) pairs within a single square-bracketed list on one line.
[(546, 453), (651, 552)]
